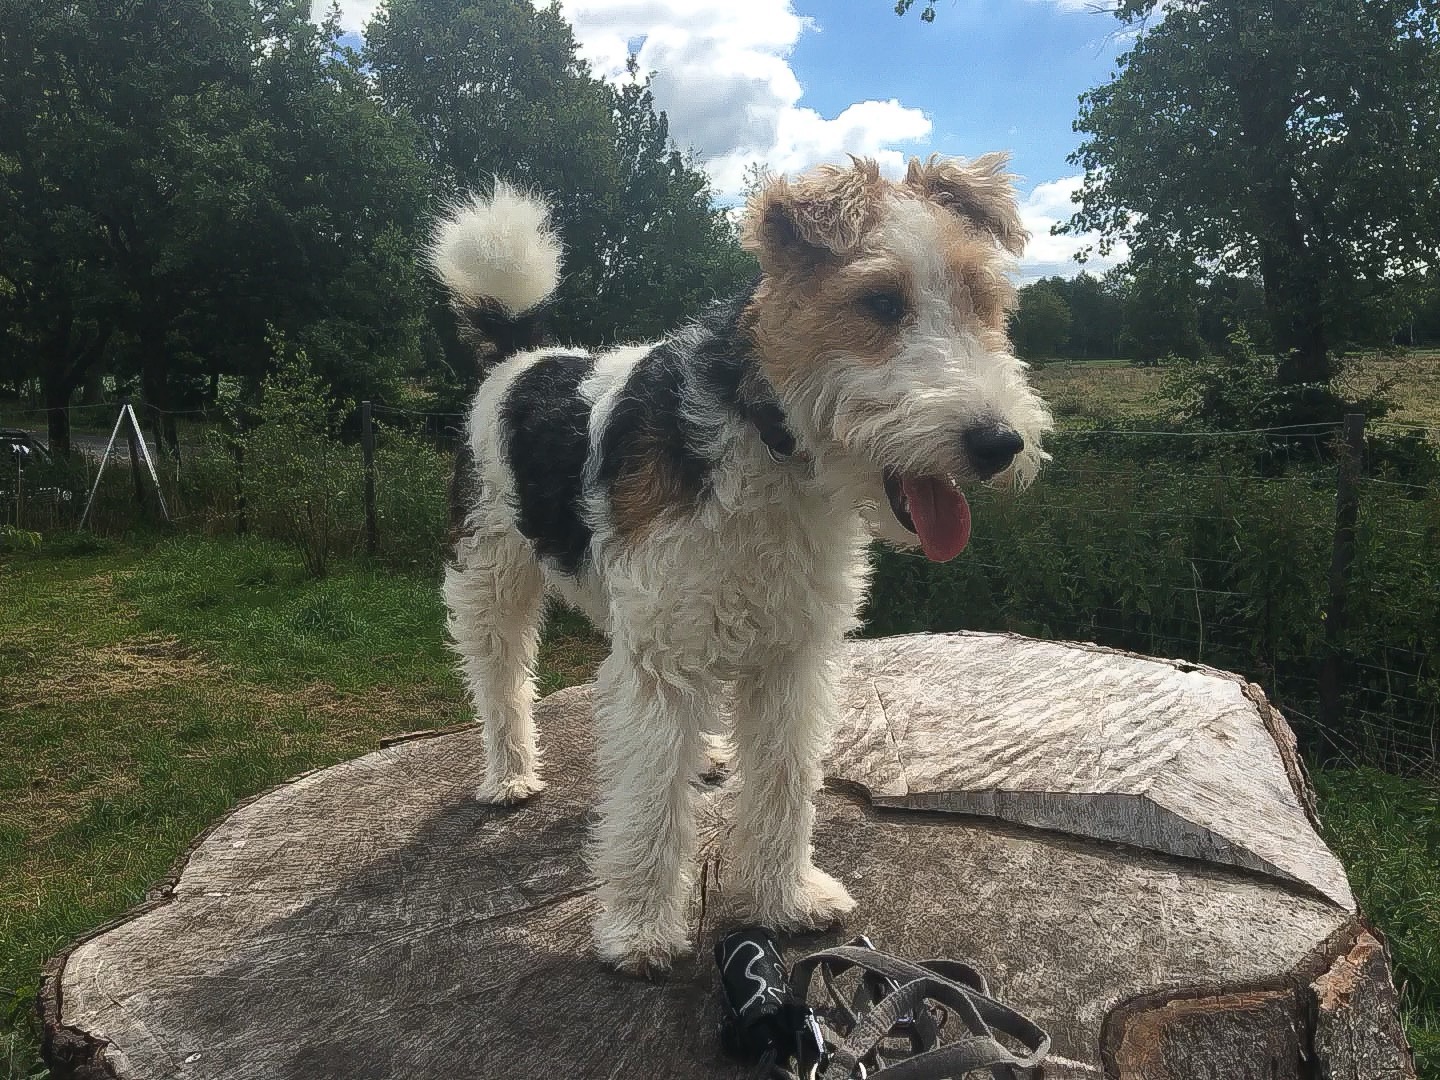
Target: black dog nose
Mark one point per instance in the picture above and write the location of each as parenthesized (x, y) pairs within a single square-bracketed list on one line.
[(991, 447)]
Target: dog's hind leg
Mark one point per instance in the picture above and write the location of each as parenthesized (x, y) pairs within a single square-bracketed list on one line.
[(493, 593)]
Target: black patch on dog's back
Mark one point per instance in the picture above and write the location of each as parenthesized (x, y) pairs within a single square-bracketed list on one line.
[(547, 439), (647, 423)]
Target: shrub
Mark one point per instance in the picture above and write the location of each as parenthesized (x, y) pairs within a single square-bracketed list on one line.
[(15, 539), (411, 480), (301, 484)]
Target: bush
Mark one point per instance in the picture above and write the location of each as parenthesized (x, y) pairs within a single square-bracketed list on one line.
[(411, 480), (1175, 546), (205, 494), (1237, 391), (301, 484), (14, 539)]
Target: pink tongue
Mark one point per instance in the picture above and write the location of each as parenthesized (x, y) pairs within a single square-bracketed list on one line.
[(941, 516)]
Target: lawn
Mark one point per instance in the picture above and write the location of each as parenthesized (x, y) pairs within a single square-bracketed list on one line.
[(145, 687), (1088, 391)]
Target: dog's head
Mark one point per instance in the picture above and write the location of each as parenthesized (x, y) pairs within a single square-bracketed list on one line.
[(880, 320)]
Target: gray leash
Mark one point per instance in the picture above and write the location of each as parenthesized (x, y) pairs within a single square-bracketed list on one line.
[(901, 998)]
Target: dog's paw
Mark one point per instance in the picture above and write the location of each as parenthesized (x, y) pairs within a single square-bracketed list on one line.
[(509, 790), (814, 902), (633, 948)]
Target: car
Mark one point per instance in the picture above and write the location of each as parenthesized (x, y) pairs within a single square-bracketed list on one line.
[(29, 470)]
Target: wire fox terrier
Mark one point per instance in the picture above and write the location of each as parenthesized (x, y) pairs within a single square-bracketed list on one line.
[(708, 501)]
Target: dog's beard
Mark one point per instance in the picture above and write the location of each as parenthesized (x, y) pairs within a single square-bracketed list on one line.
[(904, 431)]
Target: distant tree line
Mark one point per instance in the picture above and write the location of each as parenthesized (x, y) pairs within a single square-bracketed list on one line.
[(1288, 148), (185, 182), (1145, 313)]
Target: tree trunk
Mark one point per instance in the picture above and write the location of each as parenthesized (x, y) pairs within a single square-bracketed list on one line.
[(1125, 846), (94, 388), (1294, 294), (1290, 268), (155, 387), (57, 412)]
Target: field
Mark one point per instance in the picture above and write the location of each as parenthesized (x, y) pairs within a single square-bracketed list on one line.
[(147, 686), (1100, 390)]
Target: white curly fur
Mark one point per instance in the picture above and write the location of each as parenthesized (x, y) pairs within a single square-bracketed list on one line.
[(737, 605), (499, 248)]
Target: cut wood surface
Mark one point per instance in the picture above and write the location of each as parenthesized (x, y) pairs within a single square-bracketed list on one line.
[(1121, 844)]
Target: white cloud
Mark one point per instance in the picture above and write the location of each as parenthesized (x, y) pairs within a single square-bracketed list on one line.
[(722, 74), (354, 14), (1046, 255)]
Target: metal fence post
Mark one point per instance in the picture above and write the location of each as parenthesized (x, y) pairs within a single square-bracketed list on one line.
[(132, 440), (1342, 554), (367, 448)]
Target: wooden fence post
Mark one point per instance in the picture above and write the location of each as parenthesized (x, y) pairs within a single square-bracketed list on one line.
[(1342, 554), (242, 525), (367, 448)]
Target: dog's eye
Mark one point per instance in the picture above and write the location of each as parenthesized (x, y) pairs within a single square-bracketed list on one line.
[(887, 307)]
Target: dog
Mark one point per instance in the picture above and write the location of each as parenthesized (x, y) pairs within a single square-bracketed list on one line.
[(709, 500)]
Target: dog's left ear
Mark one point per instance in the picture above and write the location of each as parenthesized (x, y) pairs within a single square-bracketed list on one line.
[(823, 213), (980, 190)]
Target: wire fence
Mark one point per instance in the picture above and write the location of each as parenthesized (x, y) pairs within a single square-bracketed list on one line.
[(1306, 558)]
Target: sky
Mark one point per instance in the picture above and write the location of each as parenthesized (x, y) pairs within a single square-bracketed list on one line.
[(792, 83)]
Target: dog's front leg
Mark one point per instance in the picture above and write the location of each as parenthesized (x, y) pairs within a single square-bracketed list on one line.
[(648, 727), (782, 721)]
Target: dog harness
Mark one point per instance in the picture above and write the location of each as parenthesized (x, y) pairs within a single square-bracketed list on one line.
[(889, 1027)]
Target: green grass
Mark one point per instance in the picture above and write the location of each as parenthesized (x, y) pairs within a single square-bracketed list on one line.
[(1091, 391), (1387, 832), (147, 686), (146, 689), (1098, 391)]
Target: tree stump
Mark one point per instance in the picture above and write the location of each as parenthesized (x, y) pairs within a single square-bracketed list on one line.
[(1124, 845)]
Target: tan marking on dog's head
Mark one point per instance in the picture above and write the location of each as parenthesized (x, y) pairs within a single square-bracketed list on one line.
[(839, 250), (984, 290), (980, 191), (823, 213)]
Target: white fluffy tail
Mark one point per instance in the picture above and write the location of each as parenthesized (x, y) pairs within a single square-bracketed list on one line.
[(497, 253)]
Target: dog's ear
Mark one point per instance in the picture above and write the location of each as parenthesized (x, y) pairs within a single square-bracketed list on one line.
[(826, 211), (980, 190)]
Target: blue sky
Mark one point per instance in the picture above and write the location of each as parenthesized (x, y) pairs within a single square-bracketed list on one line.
[(790, 83), (991, 74)]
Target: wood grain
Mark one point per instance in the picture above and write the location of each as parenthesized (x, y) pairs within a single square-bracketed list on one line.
[(372, 920)]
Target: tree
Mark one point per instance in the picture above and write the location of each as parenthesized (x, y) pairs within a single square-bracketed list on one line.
[(497, 88), (927, 13), (1161, 312), (1096, 312), (1040, 323), (178, 176), (1228, 304), (1293, 140)]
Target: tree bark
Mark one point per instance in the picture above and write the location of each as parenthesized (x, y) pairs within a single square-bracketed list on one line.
[(155, 387), (57, 412)]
